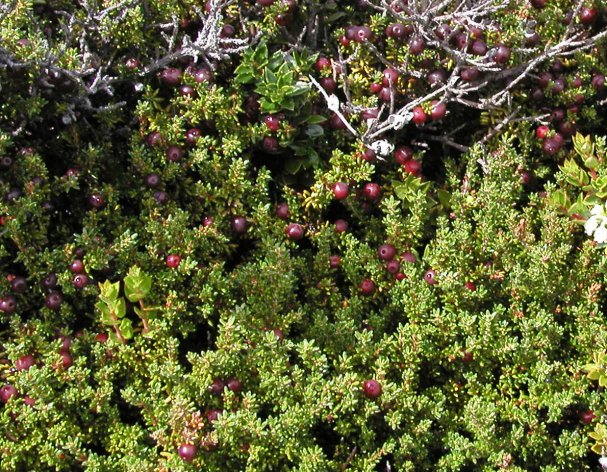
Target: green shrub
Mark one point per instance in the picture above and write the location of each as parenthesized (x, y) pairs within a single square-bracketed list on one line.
[(161, 309)]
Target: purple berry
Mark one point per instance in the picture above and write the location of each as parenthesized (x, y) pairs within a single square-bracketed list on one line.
[(294, 231), (173, 260), (80, 281), (216, 388), (367, 287), (341, 190), (386, 252), (7, 392), (19, 284), (76, 266), (239, 224), (53, 300), (430, 277), (171, 76), (372, 389), (282, 210), (187, 452), (174, 153), (25, 362)]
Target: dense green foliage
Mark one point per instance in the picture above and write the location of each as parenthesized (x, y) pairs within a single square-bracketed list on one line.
[(179, 292)]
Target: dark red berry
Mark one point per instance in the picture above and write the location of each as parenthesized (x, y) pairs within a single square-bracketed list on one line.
[(390, 77), (439, 110), (131, 63), (501, 54), (469, 74), (8, 304), (478, 47), (467, 356), (430, 277), (323, 63), (417, 45), (50, 281), (25, 362), (329, 84), (413, 167), (436, 77), (371, 191), (419, 116), (372, 389), (234, 385), (386, 252), (598, 81), (393, 267), (187, 452), (154, 139), (76, 266), (161, 197), (403, 154), (152, 180), (66, 359), (171, 76), (270, 144), (375, 88), (470, 286), (19, 284), (282, 210), (102, 337), (386, 94), (202, 75), (173, 261), (542, 131), (187, 91), (399, 276), (216, 387), (587, 416), (363, 34), (7, 392), (551, 146), (443, 31), (80, 281), (396, 31), (341, 226), (334, 261), (265, 3), (192, 135), (96, 200), (368, 155), (367, 287), (213, 415), (53, 300), (341, 190), (538, 4), (174, 153), (587, 15), (294, 231), (239, 224), (272, 122)]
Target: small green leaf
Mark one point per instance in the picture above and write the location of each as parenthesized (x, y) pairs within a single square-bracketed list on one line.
[(315, 119), (126, 328), (109, 291), (137, 284), (118, 307), (314, 131)]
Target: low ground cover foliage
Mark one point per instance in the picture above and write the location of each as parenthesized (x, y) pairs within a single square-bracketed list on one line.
[(303, 235)]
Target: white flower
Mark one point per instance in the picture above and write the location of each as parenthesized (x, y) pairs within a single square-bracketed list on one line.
[(398, 121), (597, 224), (603, 462)]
